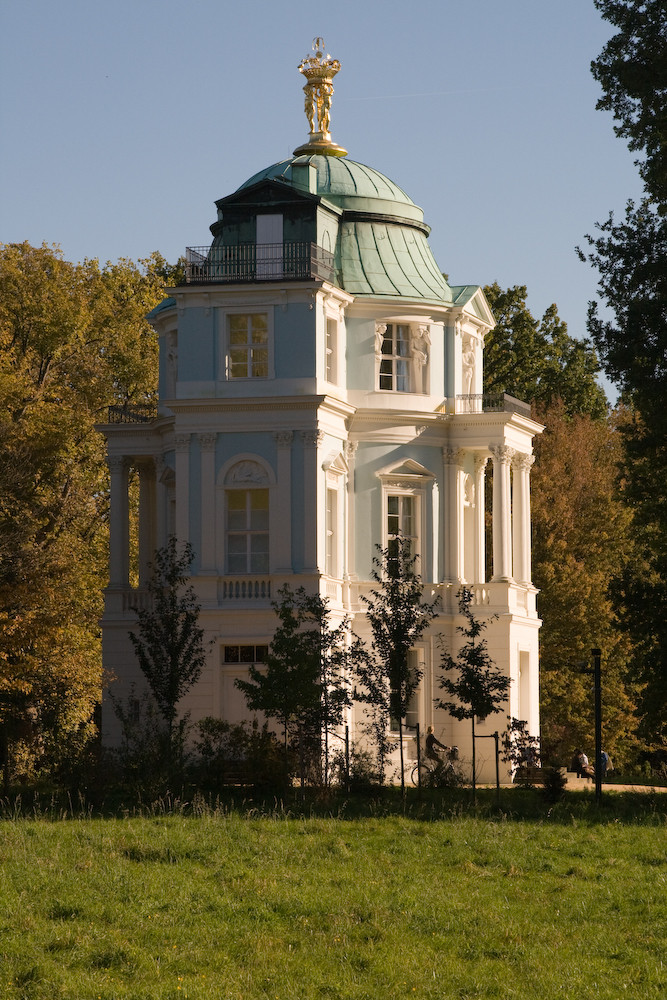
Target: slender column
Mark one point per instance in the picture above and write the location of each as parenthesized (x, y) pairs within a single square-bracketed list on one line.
[(451, 458), (160, 504), (521, 517), (182, 475), (282, 545), (207, 551), (480, 526), (311, 490), (147, 545), (348, 521), (119, 527), (502, 525)]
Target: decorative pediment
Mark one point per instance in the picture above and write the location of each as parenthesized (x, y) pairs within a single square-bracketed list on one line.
[(405, 473), (335, 462)]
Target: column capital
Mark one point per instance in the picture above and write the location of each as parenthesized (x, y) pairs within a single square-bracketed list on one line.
[(480, 463), (523, 462), (312, 439), (502, 453), (182, 442), (207, 441), (452, 456), (116, 463), (351, 449), (283, 438)]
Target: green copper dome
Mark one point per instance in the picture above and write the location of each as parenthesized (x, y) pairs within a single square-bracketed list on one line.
[(348, 185), (381, 247)]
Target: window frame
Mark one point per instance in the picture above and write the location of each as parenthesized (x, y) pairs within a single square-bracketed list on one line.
[(417, 358), (227, 346), (248, 532)]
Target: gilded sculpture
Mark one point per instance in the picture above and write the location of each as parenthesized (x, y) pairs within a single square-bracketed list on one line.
[(319, 70)]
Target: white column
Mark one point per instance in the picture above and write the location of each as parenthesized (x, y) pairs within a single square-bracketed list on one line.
[(521, 517), (119, 529), (502, 502), (182, 475), (147, 542), (480, 526), (207, 552), (451, 458), (349, 542), (282, 544), (311, 440)]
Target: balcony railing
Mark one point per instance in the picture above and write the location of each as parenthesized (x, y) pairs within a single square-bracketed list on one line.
[(258, 262), (141, 413), (491, 402)]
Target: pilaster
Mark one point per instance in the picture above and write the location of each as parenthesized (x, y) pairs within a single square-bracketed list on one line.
[(207, 554), (282, 545), (182, 474)]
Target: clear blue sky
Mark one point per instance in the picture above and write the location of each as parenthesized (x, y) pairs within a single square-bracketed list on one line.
[(122, 122)]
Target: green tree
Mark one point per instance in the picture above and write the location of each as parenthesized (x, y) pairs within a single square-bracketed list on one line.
[(631, 259), (538, 361), (398, 617), (478, 688), (304, 685), (73, 340), (632, 71), (582, 546), (169, 642)]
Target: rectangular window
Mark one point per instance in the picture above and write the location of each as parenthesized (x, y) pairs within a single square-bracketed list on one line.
[(401, 520), (331, 352), (395, 361), (412, 709), (244, 654), (331, 566), (247, 531), (248, 351)]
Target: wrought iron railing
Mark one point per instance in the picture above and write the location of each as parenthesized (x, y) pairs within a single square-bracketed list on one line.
[(258, 262), (141, 413), (491, 402)]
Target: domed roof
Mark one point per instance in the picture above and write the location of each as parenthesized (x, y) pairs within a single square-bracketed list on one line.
[(347, 184), (381, 247)]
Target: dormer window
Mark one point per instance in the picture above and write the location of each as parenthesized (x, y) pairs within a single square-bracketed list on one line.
[(402, 356)]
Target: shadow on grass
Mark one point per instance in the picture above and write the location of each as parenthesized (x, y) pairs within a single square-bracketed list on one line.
[(427, 805)]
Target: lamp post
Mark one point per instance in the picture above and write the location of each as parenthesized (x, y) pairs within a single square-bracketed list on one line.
[(597, 685), (596, 671)]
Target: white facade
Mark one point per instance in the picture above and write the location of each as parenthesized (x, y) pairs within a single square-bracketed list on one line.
[(306, 415)]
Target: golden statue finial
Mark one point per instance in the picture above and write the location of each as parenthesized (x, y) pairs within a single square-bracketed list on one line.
[(319, 71)]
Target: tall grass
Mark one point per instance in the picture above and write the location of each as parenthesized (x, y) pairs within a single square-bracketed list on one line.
[(251, 903)]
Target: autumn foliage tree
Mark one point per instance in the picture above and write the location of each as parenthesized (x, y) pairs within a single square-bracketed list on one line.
[(582, 544), (73, 340)]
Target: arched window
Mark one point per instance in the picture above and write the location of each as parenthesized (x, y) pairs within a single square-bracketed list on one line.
[(247, 518)]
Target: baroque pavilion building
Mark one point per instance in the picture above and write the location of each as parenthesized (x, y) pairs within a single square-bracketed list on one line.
[(320, 391)]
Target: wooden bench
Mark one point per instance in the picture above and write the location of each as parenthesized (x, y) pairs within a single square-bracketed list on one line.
[(529, 776)]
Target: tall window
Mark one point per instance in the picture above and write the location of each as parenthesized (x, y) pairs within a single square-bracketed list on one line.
[(395, 361), (331, 565), (401, 520), (331, 352), (247, 531), (248, 354), (412, 709)]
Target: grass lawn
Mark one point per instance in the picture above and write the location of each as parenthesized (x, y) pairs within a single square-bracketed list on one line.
[(231, 905)]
